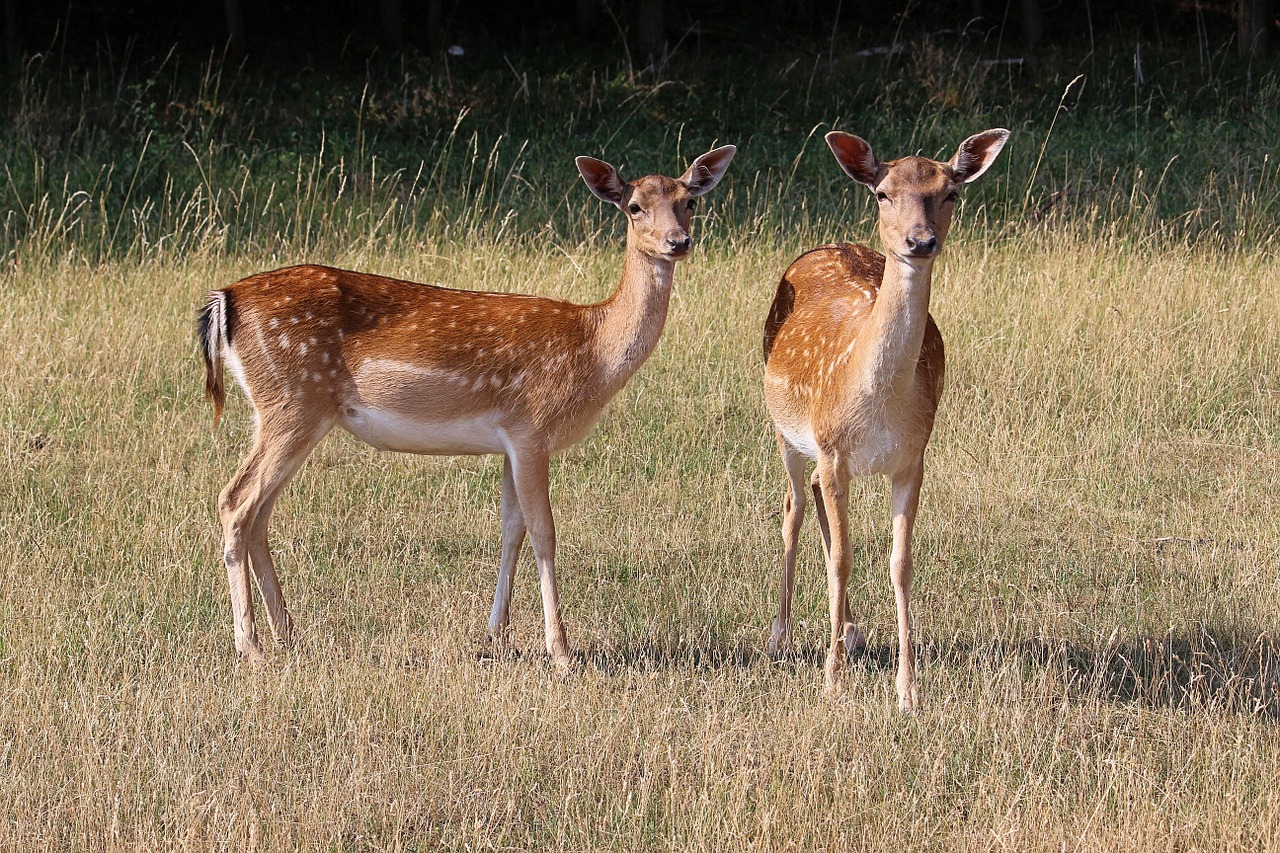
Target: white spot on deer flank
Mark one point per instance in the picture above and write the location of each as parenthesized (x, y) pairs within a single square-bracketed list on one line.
[(302, 349), (274, 323), (284, 342)]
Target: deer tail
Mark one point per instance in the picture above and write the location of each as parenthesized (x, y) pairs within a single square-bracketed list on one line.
[(213, 336), (783, 303)]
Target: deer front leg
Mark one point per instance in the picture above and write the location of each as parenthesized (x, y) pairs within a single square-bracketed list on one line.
[(906, 498), (531, 478), (513, 531), (834, 478), (854, 640), (780, 635)]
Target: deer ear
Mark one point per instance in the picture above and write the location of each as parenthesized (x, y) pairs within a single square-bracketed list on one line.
[(976, 154), (855, 157), (704, 173), (602, 179)]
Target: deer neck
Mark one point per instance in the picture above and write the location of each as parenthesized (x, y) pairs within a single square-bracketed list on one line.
[(631, 321), (894, 332)]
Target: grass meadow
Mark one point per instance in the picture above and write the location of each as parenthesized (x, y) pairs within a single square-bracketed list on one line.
[(1096, 593)]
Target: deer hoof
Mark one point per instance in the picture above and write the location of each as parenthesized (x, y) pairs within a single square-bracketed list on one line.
[(855, 642), (835, 680), (780, 639), (250, 650)]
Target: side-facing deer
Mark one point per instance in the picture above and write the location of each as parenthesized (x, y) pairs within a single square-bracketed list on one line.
[(425, 369), (853, 375)]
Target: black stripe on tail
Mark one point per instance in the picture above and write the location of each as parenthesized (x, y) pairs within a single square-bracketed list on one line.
[(783, 303), (212, 332)]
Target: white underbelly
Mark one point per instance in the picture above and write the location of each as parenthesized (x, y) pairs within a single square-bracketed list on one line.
[(390, 431), (879, 452), (801, 438)]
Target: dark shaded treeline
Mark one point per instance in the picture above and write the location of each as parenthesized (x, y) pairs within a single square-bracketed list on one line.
[(126, 128), (288, 32)]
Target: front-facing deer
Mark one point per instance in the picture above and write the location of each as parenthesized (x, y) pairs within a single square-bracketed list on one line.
[(853, 375), (425, 369)]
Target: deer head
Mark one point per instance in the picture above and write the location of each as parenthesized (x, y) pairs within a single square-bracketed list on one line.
[(916, 195), (658, 209)]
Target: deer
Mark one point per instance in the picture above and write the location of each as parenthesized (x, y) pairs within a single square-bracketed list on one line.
[(426, 369), (854, 367)]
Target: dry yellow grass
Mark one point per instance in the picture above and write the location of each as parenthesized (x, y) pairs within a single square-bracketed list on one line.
[(1096, 586)]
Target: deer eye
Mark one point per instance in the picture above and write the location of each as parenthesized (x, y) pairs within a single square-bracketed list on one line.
[(952, 196), (691, 204), (881, 195), (634, 208)]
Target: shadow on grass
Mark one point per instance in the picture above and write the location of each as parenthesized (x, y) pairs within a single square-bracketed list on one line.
[(1200, 668), (705, 654)]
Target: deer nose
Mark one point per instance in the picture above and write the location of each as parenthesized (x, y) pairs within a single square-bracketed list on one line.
[(678, 245), (922, 243)]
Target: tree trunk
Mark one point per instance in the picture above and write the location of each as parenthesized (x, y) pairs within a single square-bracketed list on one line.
[(1254, 21), (435, 25), (649, 34), (1032, 25), (11, 43), (391, 25), (586, 17), (237, 44)]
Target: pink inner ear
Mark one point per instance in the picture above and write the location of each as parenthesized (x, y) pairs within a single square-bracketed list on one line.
[(976, 155), (855, 157), (967, 162), (602, 178)]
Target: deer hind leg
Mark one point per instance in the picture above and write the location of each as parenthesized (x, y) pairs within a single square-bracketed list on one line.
[(263, 566), (780, 634), (906, 499), (834, 482), (854, 640), (513, 532), (530, 475), (245, 510)]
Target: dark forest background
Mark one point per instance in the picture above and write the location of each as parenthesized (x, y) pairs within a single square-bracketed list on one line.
[(263, 126), (274, 32)]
